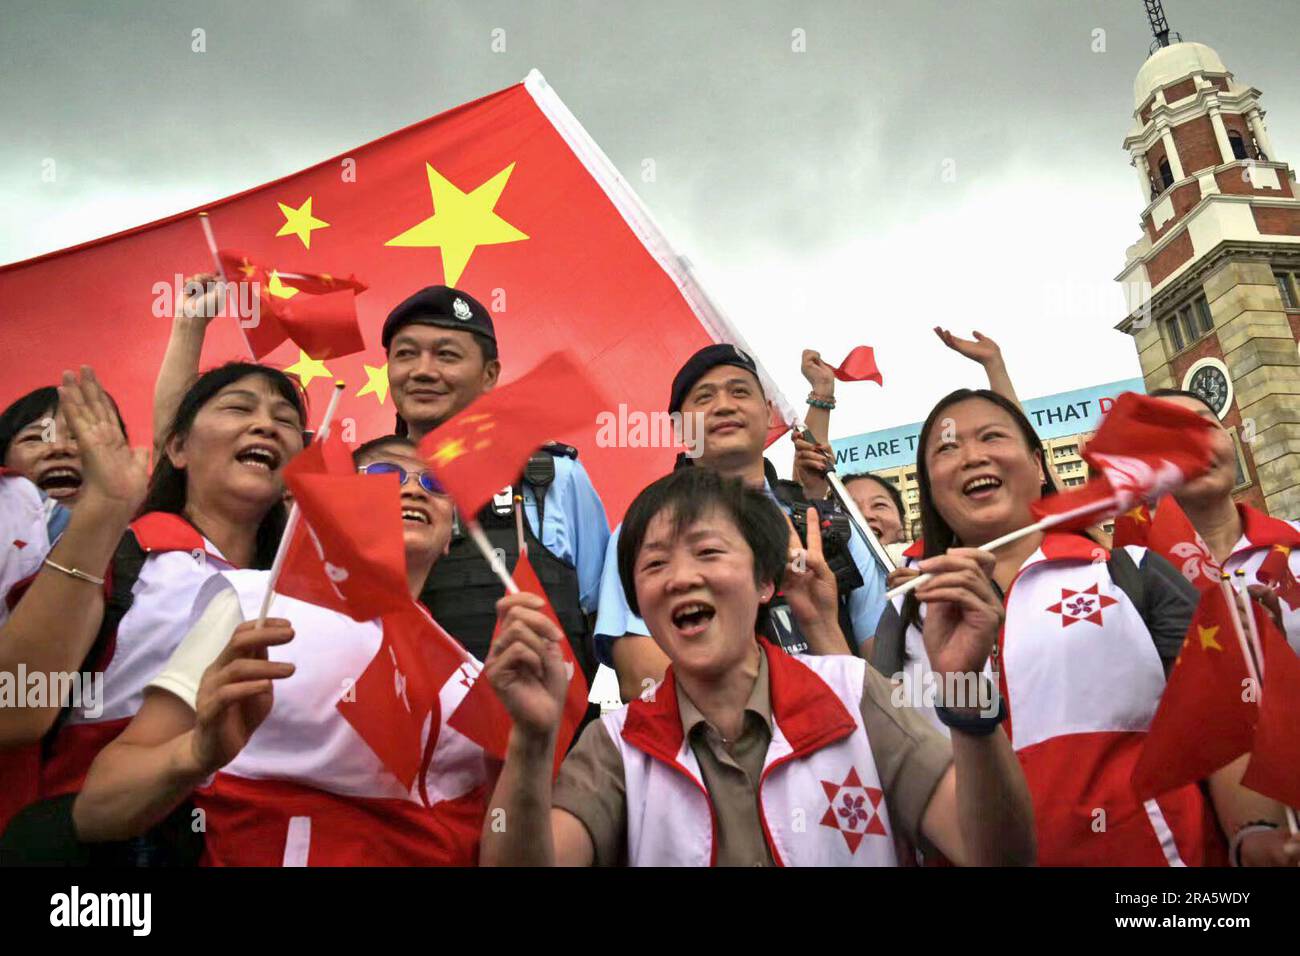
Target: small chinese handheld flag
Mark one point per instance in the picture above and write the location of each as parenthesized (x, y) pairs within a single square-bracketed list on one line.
[(483, 448), (1132, 527), (1275, 572), (1208, 711), (317, 311), (859, 366), (482, 717), (1145, 448), (1274, 767), (348, 552), (397, 694)]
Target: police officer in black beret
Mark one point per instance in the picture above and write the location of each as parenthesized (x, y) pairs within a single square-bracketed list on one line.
[(719, 388), (442, 355)]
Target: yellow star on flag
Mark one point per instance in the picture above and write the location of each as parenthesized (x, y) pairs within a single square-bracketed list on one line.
[(278, 289), (461, 222), (1137, 515), (308, 368), (300, 222), (376, 382), (1206, 634), (448, 451), (247, 268)]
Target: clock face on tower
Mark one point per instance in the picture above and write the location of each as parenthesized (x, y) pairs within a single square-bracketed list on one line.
[(1209, 379)]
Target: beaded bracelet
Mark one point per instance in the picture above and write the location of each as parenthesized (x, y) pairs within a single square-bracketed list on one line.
[(815, 402)]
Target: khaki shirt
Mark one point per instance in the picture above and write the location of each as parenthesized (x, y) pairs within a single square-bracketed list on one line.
[(911, 757)]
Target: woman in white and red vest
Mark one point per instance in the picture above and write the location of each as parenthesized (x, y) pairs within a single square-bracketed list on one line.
[(61, 447), (215, 502), (306, 789), (1088, 639), (745, 755), (1203, 531)]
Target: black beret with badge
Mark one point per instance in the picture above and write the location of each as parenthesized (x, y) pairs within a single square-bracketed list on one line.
[(442, 306), (707, 358)]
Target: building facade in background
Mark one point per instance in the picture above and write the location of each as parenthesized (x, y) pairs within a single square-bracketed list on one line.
[(1213, 285), (1064, 422)]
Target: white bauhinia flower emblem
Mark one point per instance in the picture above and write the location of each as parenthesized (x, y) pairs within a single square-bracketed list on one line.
[(1197, 560), (1134, 480)]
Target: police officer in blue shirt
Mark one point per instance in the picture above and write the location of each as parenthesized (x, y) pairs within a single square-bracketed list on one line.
[(442, 355), (719, 385)]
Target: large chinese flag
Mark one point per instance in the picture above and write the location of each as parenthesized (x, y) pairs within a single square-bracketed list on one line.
[(505, 197)]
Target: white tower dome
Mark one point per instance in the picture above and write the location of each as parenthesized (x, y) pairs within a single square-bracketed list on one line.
[(1172, 63)]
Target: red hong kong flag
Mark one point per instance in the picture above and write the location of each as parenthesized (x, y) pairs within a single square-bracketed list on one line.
[(480, 450), (397, 694), (1274, 767), (348, 552), (1206, 716), (860, 366), (319, 312), (505, 197), (482, 717), (1145, 448)]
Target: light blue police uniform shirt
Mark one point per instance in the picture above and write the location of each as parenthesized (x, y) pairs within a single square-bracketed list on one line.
[(615, 619), (574, 526)]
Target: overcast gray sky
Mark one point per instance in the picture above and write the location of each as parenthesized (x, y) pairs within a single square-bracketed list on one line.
[(808, 187)]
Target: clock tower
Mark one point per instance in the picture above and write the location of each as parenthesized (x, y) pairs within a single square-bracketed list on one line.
[(1213, 285)]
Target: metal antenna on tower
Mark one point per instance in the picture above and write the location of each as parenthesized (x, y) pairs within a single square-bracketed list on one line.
[(1159, 25)]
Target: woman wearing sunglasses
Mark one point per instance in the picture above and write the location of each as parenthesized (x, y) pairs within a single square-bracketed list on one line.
[(307, 789)]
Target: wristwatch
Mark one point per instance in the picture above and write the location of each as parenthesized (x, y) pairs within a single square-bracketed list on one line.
[(978, 724)]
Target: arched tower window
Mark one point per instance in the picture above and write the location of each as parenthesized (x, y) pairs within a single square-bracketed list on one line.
[(1166, 174), (1238, 145)]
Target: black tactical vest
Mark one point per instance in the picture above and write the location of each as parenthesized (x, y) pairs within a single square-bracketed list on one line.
[(462, 591)]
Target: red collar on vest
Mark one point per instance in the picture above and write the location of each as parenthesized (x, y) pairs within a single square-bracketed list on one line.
[(806, 710), (160, 531), (916, 549), (1263, 531)]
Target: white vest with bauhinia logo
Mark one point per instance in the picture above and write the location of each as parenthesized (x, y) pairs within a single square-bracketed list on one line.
[(820, 798)]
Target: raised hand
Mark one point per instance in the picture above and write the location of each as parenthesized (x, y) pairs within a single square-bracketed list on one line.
[(114, 475), (981, 349), (811, 462), (819, 375), (809, 588), (963, 612), (526, 665), (235, 694), (203, 306)]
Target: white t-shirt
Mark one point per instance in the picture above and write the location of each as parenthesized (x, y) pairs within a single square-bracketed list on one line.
[(203, 643)]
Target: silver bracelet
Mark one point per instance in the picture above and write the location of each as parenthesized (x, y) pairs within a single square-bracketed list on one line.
[(76, 573)]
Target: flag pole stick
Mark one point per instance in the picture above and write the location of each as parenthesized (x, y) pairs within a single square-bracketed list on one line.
[(519, 526), (1230, 595), (490, 555), (1050, 521), (221, 273), (1252, 626), (295, 514)]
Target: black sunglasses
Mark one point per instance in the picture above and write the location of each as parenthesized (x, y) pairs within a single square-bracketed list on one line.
[(426, 479)]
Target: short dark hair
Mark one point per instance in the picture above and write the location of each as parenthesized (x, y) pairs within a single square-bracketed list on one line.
[(1182, 393), (894, 494), (167, 485), (687, 495), (32, 407), (383, 441)]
